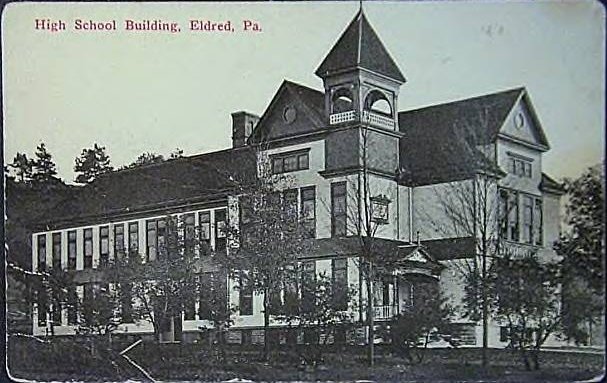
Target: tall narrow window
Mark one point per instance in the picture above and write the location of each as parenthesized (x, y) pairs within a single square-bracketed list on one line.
[(71, 250), (72, 307), (88, 248), (41, 252), (538, 231), (339, 275), (56, 251), (308, 210), (133, 237), (503, 214), (204, 219), (151, 239), (56, 309), (220, 229), (189, 234), (527, 219), (513, 226), (338, 209), (162, 238), (118, 240), (245, 302), (291, 293), (104, 245), (308, 282)]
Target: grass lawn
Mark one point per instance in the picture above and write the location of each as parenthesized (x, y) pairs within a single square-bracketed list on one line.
[(174, 362)]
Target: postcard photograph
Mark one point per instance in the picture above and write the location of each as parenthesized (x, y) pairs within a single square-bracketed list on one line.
[(304, 191)]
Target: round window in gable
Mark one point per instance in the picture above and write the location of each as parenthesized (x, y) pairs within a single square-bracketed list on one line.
[(519, 120), (289, 114)]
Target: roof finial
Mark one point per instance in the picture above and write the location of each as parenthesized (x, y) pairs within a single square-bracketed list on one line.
[(361, 6)]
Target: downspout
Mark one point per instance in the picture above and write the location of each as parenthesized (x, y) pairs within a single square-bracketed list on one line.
[(410, 196)]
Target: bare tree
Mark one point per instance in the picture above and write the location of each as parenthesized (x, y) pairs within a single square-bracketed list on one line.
[(268, 238), (470, 206)]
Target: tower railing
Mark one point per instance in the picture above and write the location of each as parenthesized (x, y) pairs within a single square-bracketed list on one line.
[(339, 118), (378, 120), (368, 117)]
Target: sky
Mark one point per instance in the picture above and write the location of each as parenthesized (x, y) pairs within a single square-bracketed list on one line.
[(150, 91)]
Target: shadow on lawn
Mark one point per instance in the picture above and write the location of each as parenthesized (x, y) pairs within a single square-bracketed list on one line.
[(68, 360)]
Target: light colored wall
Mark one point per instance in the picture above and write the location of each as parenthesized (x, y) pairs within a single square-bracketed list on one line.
[(429, 210), (524, 184), (404, 213)]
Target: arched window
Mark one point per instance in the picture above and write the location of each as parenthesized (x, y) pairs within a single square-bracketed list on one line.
[(342, 101), (377, 102)]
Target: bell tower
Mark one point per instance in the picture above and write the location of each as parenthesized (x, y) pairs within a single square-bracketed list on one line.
[(362, 83), (361, 79)]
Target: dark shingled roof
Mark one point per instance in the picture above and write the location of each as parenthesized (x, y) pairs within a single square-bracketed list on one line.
[(437, 249), (450, 248), (440, 142), (359, 46), (162, 185), (548, 184)]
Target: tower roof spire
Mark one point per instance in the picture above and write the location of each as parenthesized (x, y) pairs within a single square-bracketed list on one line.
[(359, 47)]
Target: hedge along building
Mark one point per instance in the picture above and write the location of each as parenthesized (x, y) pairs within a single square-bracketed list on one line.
[(350, 157)]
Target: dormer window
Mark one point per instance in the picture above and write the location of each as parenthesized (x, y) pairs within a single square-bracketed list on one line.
[(520, 166), (290, 161)]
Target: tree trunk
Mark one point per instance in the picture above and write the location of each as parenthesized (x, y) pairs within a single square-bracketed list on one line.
[(536, 358), (370, 319), (266, 324), (485, 359)]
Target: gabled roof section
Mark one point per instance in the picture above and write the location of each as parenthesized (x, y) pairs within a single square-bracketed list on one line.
[(309, 104), (359, 47), (160, 186), (441, 142)]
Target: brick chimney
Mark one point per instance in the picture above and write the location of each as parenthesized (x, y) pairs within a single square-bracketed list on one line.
[(243, 124)]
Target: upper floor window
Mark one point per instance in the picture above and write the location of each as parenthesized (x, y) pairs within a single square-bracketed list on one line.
[(42, 252), (508, 215), (532, 220), (338, 209), (204, 219), (104, 245), (118, 239), (308, 210), (290, 162), (189, 234), (519, 166), (71, 250), (155, 238), (220, 229), (525, 227), (88, 248), (133, 237), (56, 250)]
